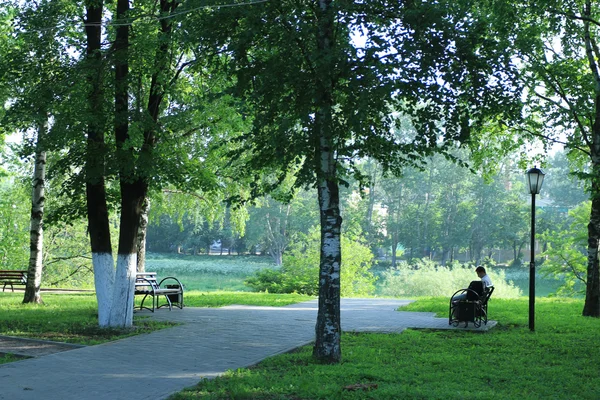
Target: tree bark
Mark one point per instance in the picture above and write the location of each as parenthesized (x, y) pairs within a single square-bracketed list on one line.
[(328, 329), (97, 208), (327, 347), (36, 238), (141, 239), (591, 306)]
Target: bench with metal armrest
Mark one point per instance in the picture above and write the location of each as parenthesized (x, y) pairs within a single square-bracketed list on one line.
[(148, 285), (466, 305)]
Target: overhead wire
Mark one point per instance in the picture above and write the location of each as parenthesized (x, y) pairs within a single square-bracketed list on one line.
[(153, 19)]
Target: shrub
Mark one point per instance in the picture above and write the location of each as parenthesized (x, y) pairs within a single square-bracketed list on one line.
[(300, 270), (425, 278)]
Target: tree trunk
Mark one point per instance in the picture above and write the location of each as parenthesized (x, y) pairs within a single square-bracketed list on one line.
[(394, 247), (132, 200), (327, 347), (328, 330), (141, 237), (97, 209), (36, 238), (121, 313), (371, 206), (591, 307)]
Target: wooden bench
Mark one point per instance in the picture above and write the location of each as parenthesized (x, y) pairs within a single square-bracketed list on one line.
[(147, 284), (11, 278)]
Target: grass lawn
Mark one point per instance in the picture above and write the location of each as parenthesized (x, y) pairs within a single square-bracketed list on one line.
[(560, 360)]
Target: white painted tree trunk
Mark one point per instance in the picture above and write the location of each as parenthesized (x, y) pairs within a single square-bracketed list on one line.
[(104, 278), (121, 313)]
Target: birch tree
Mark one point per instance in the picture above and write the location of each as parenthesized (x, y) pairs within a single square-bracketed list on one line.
[(321, 79), (37, 69)]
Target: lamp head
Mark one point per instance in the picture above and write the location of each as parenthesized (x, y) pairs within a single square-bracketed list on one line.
[(535, 179)]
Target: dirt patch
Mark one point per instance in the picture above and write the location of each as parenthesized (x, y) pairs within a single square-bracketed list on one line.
[(32, 347)]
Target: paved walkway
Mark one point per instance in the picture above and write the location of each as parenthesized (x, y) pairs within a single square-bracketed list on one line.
[(209, 342)]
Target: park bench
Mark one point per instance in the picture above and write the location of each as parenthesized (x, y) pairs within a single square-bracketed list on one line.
[(148, 285), (11, 278), (472, 308)]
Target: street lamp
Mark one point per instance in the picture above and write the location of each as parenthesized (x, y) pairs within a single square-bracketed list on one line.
[(535, 179)]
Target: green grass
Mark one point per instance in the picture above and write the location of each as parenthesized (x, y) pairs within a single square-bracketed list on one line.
[(208, 273), (560, 360), (66, 318), (226, 298), (7, 358)]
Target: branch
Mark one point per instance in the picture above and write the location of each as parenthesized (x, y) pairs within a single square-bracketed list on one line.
[(573, 269), (170, 191), (558, 89), (589, 47), (575, 16), (58, 259), (70, 275)]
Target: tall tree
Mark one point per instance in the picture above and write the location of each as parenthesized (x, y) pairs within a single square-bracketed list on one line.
[(36, 66), (320, 100), (95, 163), (558, 43)]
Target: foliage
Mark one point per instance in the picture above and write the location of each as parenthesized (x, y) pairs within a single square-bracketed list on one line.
[(14, 225), (300, 270), (426, 278), (436, 364), (566, 255)]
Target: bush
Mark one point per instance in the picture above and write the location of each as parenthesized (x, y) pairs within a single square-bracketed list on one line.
[(300, 270), (425, 278)]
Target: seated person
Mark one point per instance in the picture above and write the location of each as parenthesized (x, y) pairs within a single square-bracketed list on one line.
[(486, 282)]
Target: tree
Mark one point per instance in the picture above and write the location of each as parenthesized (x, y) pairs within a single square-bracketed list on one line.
[(320, 101), (557, 42), (36, 66), (566, 252)]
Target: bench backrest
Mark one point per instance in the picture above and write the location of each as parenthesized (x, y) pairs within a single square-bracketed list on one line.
[(487, 294), (13, 276), (146, 280)]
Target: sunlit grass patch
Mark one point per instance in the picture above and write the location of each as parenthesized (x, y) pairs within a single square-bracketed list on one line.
[(559, 360), (225, 298), (71, 318)]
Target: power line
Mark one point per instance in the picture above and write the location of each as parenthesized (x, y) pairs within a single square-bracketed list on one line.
[(157, 18)]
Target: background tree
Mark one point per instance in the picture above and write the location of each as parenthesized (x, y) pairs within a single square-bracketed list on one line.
[(36, 65)]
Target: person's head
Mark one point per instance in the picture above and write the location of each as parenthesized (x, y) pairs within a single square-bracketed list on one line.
[(480, 271)]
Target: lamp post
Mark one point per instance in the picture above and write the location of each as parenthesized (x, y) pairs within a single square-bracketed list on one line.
[(535, 179)]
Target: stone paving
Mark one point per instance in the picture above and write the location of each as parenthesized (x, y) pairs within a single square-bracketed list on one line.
[(208, 342)]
